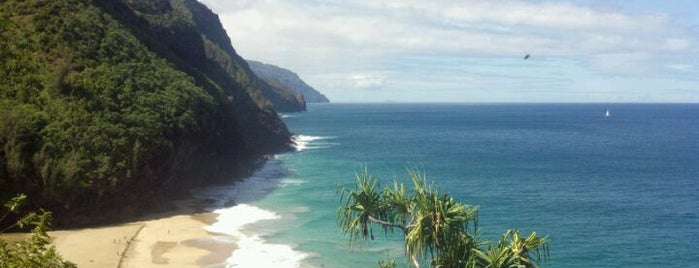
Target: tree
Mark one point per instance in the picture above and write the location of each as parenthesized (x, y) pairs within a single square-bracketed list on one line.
[(437, 229), (36, 251)]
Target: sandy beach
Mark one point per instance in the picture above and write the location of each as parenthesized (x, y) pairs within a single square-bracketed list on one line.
[(172, 239)]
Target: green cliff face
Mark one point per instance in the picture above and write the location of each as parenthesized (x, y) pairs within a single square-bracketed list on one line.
[(199, 35), (103, 102), (283, 99), (288, 79)]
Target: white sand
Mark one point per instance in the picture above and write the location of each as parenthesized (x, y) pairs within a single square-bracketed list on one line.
[(160, 241)]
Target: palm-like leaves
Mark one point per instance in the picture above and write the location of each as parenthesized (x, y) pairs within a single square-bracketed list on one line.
[(513, 251), (434, 225), (440, 222), (361, 205)]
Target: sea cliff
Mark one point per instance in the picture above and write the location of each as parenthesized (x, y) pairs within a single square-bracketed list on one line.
[(106, 103), (286, 78)]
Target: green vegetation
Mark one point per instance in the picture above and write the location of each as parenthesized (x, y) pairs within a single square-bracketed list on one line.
[(280, 77), (283, 98), (35, 251), (107, 101), (438, 230)]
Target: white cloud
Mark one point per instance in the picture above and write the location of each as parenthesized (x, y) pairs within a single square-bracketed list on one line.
[(218, 5), (676, 44), (495, 27), (622, 63), (345, 44), (352, 81), (367, 81), (681, 67)]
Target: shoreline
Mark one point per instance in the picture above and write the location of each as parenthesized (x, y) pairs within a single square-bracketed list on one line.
[(173, 239), (133, 208), (175, 231)]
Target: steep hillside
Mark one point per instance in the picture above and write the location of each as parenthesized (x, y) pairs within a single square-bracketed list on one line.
[(105, 102), (283, 99), (277, 75), (190, 34)]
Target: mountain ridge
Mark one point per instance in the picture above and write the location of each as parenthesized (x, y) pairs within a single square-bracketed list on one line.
[(108, 103), (285, 77)]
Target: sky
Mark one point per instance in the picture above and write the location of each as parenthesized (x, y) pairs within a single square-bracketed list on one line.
[(473, 51)]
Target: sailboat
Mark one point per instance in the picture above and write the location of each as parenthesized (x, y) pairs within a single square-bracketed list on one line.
[(607, 114)]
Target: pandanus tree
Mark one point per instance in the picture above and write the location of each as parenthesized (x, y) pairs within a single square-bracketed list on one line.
[(438, 230)]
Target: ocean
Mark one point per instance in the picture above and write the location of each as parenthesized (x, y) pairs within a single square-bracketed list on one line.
[(617, 191)]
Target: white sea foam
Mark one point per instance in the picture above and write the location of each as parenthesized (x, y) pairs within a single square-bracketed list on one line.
[(230, 221), (235, 209), (286, 115), (306, 142), (289, 181), (253, 251)]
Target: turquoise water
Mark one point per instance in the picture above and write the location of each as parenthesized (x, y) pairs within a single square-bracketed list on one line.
[(621, 191)]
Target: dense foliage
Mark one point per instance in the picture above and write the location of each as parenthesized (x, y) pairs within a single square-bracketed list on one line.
[(191, 32), (103, 100), (437, 229), (35, 251)]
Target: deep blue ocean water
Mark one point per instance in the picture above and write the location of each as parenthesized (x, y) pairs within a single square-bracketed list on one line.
[(618, 191)]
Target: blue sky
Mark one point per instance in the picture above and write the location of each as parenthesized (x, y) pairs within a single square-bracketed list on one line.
[(472, 51)]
